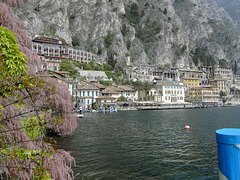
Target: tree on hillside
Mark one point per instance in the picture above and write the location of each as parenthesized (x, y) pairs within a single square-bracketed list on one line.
[(133, 14), (108, 67), (202, 55), (165, 11), (223, 63), (108, 39), (66, 65)]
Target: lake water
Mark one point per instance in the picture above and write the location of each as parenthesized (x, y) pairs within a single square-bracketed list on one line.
[(149, 144)]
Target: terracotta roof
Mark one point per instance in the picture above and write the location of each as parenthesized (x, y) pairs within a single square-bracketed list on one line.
[(99, 85), (105, 97), (83, 86), (113, 89), (125, 88), (110, 92)]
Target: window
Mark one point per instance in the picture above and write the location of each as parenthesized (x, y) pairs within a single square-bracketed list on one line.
[(96, 93), (88, 93), (80, 93), (83, 93), (92, 93)]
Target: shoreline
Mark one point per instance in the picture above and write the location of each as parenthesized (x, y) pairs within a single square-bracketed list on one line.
[(166, 107)]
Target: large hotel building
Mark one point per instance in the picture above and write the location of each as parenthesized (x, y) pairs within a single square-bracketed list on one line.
[(53, 51)]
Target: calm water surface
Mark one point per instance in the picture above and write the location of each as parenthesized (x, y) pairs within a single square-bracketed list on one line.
[(149, 144)]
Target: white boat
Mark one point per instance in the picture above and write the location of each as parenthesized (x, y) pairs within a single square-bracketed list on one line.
[(79, 115)]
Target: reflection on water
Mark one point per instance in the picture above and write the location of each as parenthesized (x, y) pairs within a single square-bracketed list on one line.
[(149, 144)]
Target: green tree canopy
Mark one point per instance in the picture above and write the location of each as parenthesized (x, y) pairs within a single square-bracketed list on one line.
[(108, 39), (109, 74), (223, 95), (13, 61), (134, 14), (122, 99), (25, 101), (66, 65)]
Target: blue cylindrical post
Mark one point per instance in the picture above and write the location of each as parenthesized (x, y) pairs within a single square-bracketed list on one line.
[(228, 144)]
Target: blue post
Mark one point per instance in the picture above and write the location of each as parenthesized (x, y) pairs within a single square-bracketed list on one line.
[(228, 144)]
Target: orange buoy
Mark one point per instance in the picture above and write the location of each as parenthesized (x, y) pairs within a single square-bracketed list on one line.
[(187, 127)]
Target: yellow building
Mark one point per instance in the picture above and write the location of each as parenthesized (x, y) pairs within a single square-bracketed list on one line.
[(208, 94), (191, 82)]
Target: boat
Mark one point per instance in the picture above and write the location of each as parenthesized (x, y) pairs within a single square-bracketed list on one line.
[(79, 115)]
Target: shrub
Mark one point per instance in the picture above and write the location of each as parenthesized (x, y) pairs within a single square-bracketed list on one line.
[(109, 74), (121, 99)]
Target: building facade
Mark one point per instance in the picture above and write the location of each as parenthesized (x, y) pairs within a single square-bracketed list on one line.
[(207, 95), (53, 51), (86, 95), (220, 83), (169, 92), (191, 82)]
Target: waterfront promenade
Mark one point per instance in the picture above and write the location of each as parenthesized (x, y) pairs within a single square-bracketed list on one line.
[(163, 106)]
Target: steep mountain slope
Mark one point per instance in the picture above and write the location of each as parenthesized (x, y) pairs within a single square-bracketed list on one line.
[(204, 22), (232, 8), (124, 32)]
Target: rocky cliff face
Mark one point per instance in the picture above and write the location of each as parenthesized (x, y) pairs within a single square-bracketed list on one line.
[(232, 8), (124, 32)]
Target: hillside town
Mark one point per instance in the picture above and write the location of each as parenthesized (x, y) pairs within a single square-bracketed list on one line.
[(207, 86)]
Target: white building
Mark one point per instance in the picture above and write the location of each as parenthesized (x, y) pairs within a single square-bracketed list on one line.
[(128, 92), (86, 95), (169, 92)]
